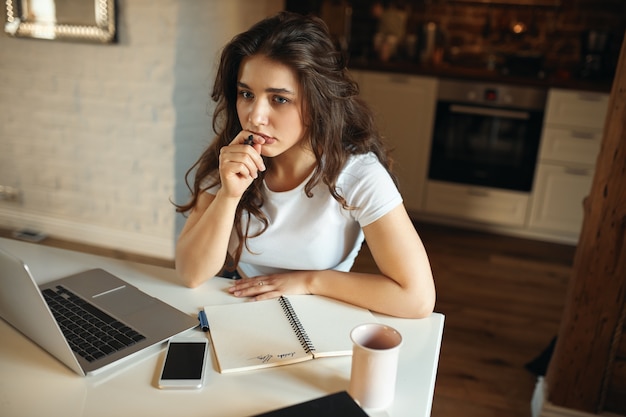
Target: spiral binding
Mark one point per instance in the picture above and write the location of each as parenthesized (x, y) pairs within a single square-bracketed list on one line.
[(306, 343)]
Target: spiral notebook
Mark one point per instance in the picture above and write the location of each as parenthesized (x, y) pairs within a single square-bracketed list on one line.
[(282, 331)]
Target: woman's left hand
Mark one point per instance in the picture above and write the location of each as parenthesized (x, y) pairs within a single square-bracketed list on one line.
[(270, 286)]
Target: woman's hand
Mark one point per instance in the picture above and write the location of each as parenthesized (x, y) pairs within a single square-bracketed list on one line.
[(240, 163), (271, 286)]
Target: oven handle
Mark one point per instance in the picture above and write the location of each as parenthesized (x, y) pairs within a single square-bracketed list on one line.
[(482, 111)]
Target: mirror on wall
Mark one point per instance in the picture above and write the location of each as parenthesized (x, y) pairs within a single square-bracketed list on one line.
[(71, 20)]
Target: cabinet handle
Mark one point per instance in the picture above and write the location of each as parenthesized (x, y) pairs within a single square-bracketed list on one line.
[(477, 193), (577, 171), (489, 112), (398, 79), (582, 135), (590, 97)]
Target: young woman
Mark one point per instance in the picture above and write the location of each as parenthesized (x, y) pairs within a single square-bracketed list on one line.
[(296, 178)]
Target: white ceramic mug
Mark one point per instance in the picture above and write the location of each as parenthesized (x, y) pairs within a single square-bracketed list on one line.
[(374, 364)]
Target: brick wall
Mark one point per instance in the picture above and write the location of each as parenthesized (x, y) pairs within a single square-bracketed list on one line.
[(480, 24), (98, 137), (554, 31)]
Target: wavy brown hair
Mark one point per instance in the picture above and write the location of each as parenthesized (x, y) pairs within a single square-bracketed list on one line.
[(338, 122)]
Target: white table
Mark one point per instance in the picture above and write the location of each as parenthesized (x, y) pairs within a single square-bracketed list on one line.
[(33, 383)]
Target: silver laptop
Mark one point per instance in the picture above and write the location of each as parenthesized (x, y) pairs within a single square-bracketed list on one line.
[(90, 321)]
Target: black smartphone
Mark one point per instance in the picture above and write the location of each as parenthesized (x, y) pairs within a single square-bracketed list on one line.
[(184, 364)]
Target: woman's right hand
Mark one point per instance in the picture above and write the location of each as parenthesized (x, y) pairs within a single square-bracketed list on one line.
[(240, 164)]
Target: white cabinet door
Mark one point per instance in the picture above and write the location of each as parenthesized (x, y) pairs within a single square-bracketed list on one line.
[(576, 108), (404, 106), (479, 204), (572, 145), (558, 199)]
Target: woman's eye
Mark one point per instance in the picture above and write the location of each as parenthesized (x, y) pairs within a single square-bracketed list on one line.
[(246, 94), (281, 100)]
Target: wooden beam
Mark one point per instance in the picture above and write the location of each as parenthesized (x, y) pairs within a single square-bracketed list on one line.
[(590, 329)]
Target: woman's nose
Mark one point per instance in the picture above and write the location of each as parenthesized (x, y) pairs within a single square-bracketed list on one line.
[(259, 113)]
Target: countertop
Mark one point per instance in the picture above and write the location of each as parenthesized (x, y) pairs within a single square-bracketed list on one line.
[(445, 70)]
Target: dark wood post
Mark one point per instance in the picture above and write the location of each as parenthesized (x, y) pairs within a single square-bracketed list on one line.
[(591, 328)]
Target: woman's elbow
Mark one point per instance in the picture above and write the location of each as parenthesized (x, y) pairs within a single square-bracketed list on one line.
[(425, 309), (420, 305), (190, 278), (190, 283), (193, 269), (185, 278)]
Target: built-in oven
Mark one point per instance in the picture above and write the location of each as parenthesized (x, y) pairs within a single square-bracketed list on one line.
[(486, 134)]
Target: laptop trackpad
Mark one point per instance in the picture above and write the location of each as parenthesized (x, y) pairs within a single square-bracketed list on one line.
[(123, 301)]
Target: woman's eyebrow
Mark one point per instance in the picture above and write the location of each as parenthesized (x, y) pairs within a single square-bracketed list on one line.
[(274, 90)]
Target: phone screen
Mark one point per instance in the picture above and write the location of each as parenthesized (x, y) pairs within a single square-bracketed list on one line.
[(184, 360)]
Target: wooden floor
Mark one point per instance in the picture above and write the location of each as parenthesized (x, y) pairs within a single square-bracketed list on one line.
[(502, 298)]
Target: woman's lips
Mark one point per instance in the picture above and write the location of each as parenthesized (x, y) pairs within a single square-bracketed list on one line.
[(268, 140)]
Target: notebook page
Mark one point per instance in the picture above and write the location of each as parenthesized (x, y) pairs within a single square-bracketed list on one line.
[(252, 335), (328, 322)]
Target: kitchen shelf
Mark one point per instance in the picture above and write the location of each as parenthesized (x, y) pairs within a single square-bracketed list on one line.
[(547, 3)]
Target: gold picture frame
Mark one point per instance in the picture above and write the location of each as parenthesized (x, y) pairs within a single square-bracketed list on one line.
[(70, 20)]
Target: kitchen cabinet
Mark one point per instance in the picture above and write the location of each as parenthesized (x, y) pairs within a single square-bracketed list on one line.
[(558, 199), (404, 107), (478, 204), (571, 138), (571, 108), (571, 134)]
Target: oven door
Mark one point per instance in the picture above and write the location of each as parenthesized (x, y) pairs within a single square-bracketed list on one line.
[(488, 146)]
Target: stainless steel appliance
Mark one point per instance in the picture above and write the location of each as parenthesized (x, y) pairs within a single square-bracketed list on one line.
[(486, 134), (595, 54)]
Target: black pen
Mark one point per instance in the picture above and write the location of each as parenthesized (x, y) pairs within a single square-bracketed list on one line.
[(204, 323), (249, 140)]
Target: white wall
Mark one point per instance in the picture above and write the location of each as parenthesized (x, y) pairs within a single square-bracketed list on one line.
[(98, 137)]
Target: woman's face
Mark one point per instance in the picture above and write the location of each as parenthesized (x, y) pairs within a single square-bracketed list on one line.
[(269, 103)]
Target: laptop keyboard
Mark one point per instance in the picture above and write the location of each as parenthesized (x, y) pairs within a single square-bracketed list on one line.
[(90, 332)]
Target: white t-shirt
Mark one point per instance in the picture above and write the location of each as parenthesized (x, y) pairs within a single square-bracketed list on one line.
[(317, 233)]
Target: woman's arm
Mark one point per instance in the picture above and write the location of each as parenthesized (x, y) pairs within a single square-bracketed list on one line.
[(405, 287), (203, 243)]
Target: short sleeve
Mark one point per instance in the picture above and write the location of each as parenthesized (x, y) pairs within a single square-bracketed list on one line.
[(367, 186)]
